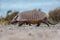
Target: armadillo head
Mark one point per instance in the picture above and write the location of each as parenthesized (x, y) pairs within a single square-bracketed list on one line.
[(14, 20), (18, 18)]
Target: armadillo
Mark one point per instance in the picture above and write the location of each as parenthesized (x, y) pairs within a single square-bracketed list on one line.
[(31, 17)]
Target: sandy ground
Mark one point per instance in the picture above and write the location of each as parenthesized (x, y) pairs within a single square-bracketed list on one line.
[(25, 32)]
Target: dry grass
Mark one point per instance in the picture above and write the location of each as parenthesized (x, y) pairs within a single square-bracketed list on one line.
[(55, 14)]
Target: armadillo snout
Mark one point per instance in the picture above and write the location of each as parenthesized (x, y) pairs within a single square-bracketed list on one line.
[(14, 22)]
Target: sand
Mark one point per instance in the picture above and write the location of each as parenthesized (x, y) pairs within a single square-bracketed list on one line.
[(26, 32)]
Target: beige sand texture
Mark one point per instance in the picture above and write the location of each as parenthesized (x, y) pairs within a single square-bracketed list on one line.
[(25, 32)]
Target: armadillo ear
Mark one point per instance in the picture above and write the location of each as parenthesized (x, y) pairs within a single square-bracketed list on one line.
[(39, 9)]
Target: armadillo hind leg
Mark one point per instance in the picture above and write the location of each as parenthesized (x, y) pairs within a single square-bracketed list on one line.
[(45, 22)]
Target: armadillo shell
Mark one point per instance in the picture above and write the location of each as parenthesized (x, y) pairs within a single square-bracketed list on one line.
[(33, 15)]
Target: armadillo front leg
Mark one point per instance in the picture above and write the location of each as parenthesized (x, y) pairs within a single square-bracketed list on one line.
[(21, 23), (38, 24), (27, 23)]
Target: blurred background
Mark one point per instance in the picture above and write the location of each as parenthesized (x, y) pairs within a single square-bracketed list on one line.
[(22, 5), (13, 6)]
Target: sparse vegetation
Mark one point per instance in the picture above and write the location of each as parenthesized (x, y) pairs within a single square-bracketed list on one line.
[(8, 18), (55, 15)]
